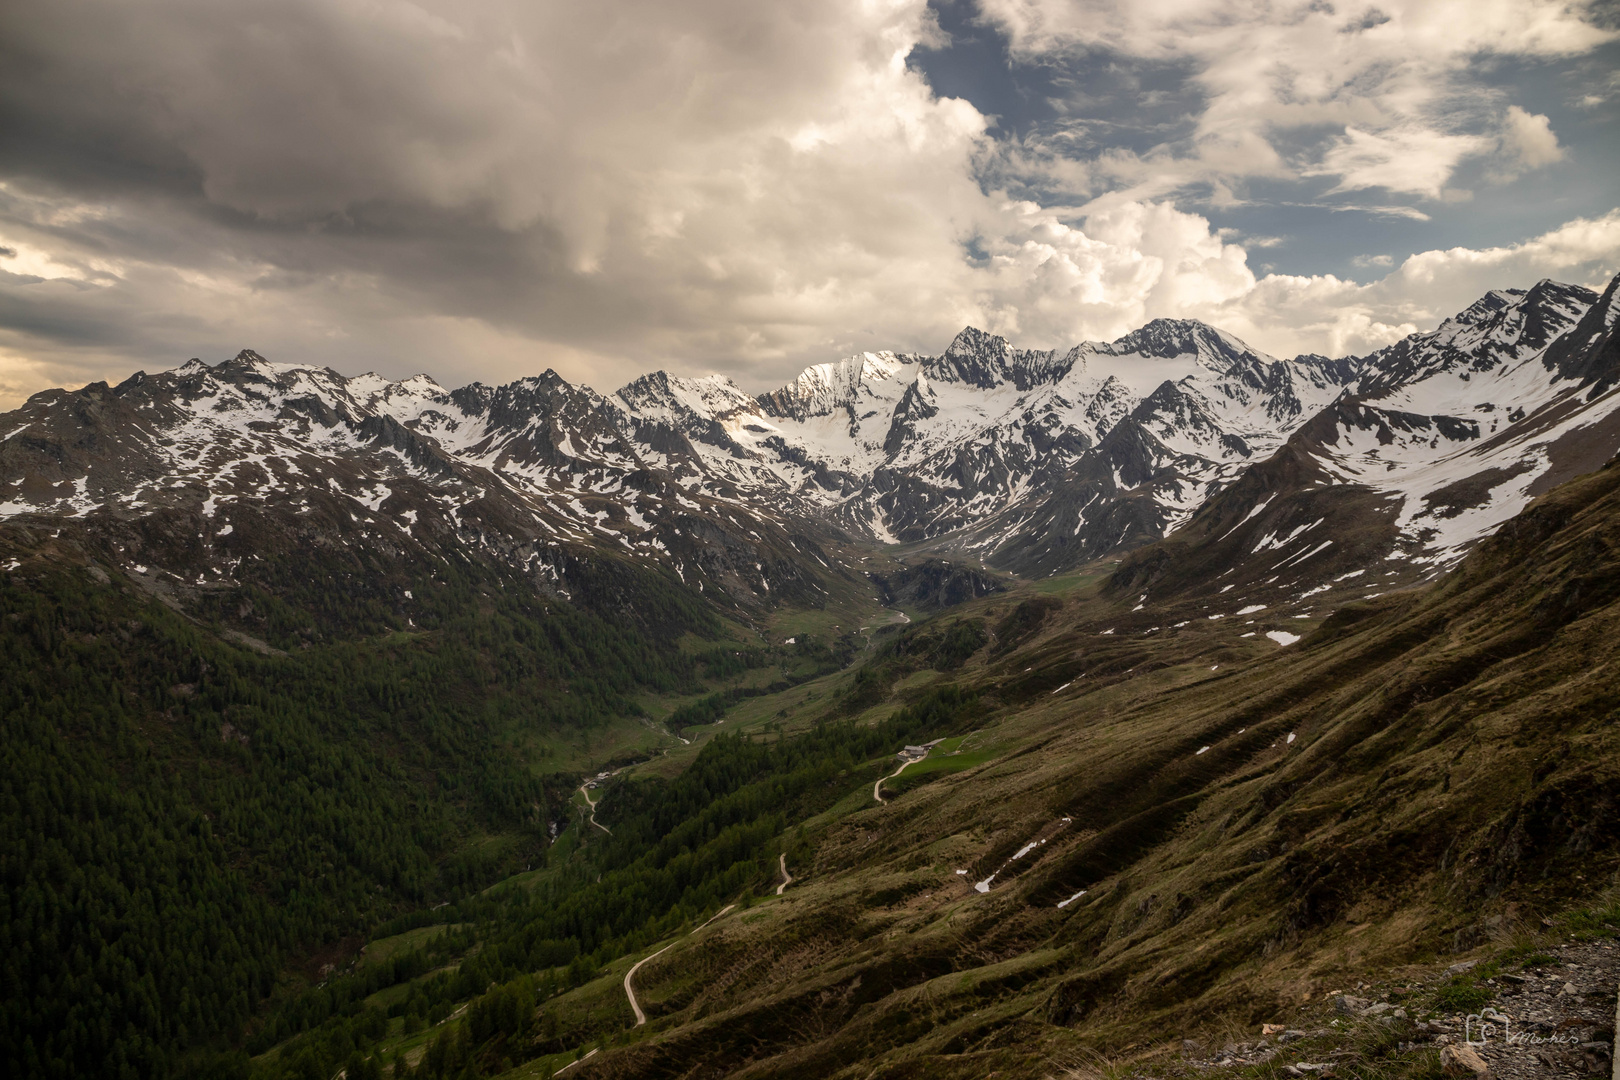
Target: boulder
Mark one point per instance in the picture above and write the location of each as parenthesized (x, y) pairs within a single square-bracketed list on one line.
[(1463, 1062)]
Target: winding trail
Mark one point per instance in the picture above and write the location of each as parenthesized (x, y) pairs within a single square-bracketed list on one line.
[(585, 791), (899, 618), (876, 794), (630, 991), (787, 878), (716, 915), (588, 1054)]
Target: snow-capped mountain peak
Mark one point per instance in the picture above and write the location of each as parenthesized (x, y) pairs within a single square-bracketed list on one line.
[(850, 383), (987, 361), (678, 399), (1034, 459), (1494, 334), (1172, 338), (1446, 435)]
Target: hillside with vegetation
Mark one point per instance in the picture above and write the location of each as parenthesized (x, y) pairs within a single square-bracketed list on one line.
[(1178, 834)]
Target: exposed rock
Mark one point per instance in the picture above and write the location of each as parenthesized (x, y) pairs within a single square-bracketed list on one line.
[(1463, 1061), (935, 584)]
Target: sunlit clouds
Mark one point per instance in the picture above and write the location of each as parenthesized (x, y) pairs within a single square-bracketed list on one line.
[(484, 190)]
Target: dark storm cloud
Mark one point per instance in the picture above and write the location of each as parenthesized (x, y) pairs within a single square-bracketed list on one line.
[(489, 187), (601, 178)]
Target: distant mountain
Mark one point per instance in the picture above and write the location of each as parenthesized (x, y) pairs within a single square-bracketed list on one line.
[(261, 458), (1027, 461), (1440, 439)]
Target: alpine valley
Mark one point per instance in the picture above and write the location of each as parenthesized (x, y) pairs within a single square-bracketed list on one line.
[(999, 712)]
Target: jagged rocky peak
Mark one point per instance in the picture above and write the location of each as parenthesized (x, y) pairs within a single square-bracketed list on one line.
[(822, 389), (987, 361), (1167, 339), (1497, 331), (382, 392), (536, 400), (247, 361), (1490, 304), (1516, 319), (259, 378), (671, 398), (248, 367), (1590, 351), (246, 358)]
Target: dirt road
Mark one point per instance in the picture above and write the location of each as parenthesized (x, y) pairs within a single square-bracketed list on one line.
[(630, 991), (585, 791), (878, 795)]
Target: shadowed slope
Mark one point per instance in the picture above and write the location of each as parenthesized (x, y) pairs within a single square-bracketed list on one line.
[(1380, 793)]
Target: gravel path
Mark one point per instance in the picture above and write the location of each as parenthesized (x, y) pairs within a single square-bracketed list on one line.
[(878, 795), (630, 990), (585, 791), (1550, 1020)]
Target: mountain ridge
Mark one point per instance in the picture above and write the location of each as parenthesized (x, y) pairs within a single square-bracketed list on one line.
[(1029, 461)]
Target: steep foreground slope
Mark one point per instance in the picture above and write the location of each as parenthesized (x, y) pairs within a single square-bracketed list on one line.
[(1195, 843), (1127, 834)]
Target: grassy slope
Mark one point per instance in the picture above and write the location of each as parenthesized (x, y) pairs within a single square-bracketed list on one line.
[(1450, 759), (1451, 772)]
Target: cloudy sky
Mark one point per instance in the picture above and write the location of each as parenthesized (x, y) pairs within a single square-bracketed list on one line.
[(486, 188)]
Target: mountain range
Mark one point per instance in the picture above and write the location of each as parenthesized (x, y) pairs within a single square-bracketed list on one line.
[(1025, 461)]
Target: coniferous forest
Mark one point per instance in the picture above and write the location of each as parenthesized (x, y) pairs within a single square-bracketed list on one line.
[(194, 828), (181, 815)]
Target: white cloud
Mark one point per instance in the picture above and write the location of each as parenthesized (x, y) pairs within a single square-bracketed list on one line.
[(718, 184), (1528, 142), (1390, 85), (1413, 161), (1288, 314)]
